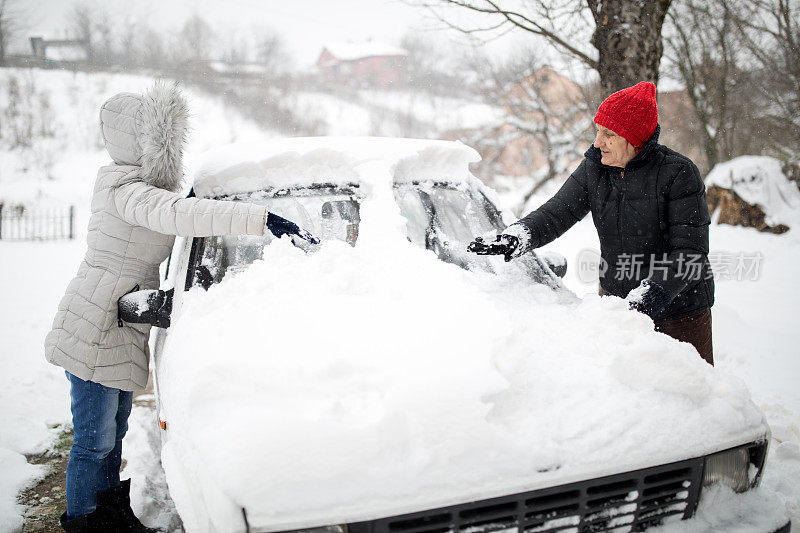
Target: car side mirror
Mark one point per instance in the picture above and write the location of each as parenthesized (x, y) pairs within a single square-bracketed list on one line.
[(152, 307), (556, 262)]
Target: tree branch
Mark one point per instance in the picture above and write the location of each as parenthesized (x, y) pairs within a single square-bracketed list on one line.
[(516, 20)]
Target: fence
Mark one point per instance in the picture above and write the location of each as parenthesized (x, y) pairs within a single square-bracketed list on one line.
[(23, 224)]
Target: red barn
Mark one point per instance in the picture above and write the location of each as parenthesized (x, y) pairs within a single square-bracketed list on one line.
[(369, 64)]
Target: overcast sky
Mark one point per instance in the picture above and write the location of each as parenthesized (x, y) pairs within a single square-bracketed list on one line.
[(304, 25)]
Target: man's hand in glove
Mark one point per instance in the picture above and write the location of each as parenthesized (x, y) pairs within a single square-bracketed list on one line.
[(279, 226), (504, 245)]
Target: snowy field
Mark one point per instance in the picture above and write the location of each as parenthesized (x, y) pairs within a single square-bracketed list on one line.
[(756, 338)]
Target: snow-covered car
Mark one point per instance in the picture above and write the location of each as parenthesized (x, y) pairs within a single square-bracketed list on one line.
[(388, 381)]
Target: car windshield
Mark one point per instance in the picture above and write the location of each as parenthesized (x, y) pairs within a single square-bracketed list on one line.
[(328, 212), (439, 216)]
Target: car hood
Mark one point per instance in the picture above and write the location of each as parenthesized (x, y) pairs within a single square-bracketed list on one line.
[(359, 381)]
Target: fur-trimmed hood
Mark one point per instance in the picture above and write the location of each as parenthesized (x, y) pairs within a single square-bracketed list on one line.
[(148, 130)]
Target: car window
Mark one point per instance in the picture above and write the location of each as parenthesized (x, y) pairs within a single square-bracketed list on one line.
[(418, 218), (458, 215), (439, 216), (455, 214), (446, 218), (327, 214)]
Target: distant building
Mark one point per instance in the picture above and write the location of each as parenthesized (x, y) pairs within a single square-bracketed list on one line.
[(212, 68), (368, 64), (64, 50), (562, 101), (680, 129)]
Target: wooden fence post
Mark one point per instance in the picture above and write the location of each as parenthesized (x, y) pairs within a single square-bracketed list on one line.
[(43, 224), (71, 222)]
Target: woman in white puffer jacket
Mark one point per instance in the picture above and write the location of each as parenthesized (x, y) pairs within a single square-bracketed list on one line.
[(136, 214)]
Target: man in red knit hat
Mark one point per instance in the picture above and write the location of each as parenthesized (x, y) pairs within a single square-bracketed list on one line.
[(649, 207)]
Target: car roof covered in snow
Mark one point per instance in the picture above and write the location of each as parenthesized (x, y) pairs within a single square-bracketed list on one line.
[(304, 161)]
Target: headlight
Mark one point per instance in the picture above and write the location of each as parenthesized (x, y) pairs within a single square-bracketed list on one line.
[(738, 468)]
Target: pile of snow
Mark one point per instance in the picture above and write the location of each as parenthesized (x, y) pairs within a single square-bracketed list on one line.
[(377, 379), (142, 454), (287, 162), (759, 180), (720, 509)]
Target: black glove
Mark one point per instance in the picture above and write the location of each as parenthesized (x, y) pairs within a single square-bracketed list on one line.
[(146, 307), (649, 298), (504, 245), (279, 226)]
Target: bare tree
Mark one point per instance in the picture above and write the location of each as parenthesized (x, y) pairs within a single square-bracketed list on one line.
[(105, 45), (153, 50), (745, 99), (545, 118), (82, 25), (271, 52), (19, 113), (11, 23), (429, 67), (237, 49), (197, 37), (626, 33), (772, 35), (703, 57), (130, 40)]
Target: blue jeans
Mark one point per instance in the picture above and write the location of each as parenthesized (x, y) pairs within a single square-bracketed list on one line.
[(100, 421)]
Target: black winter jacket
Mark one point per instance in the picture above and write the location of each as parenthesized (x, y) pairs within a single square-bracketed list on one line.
[(652, 220)]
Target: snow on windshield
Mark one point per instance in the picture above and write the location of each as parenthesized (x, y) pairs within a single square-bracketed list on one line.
[(358, 379), (289, 162)]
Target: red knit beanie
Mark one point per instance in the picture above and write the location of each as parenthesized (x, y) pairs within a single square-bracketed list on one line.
[(631, 113)]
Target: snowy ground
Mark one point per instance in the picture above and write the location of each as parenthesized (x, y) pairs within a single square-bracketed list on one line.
[(755, 327)]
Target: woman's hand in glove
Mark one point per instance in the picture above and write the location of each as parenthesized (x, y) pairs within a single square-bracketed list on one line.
[(504, 245), (280, 226), (649, 298), (513, 242)]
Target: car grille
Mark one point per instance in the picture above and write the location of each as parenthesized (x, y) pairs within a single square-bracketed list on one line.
[(632, 501)]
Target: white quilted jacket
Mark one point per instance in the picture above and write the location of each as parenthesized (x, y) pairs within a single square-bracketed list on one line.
[(135, 217)]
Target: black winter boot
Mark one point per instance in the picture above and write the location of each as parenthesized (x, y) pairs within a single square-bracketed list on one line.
[(79, 524), (97, 521), (117, 502)]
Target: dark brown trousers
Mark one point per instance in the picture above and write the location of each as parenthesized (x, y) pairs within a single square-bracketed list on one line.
[(694, 329)]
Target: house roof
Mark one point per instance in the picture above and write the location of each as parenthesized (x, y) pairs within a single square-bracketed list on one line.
[(353, 51)]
